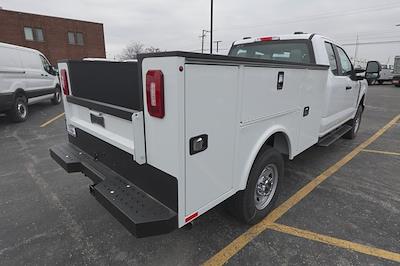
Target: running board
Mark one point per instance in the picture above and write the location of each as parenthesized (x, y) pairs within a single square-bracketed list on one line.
[(336, 134), (139, 212)]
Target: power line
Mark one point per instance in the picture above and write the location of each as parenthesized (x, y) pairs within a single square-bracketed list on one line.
[(369, 43), (318, 17)]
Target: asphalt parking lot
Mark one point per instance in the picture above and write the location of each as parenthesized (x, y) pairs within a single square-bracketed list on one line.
[(340, 205)]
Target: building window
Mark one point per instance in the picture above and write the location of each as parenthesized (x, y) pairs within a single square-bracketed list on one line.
[(71, 38), (33, 34), (38, 35), (28, 34), (79, 38), (75, 38)]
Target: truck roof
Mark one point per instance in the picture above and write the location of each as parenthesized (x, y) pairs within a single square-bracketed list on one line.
[(294, 36)]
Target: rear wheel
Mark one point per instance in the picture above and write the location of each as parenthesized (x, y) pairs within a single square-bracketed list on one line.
[(355, 124), (380, 82), (257, 200), (19, 110), (57, 97)]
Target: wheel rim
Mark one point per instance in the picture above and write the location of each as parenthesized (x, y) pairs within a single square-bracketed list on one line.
[(266, 186), (21, 108), (58, 96), (357, 123)]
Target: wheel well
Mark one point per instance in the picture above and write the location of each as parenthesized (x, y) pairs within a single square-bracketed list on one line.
[(362, 101), (278, 141), (19, 92)]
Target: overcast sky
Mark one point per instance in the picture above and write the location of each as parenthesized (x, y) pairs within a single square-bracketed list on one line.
[(177, 24)]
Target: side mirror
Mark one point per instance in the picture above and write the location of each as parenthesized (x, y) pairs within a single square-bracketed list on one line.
[(53, 71), (359, 70)]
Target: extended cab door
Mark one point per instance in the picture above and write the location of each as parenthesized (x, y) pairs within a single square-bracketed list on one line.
[(341, 92)]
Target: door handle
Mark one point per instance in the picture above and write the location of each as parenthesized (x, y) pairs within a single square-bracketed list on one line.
[(44, 75), (348, 88)]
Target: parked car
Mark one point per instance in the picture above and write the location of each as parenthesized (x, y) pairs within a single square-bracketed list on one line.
[(169, 137), (396, 71), (26, 77), (378, 73)]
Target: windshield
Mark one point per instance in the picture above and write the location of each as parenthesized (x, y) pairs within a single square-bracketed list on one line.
[(288, 51)]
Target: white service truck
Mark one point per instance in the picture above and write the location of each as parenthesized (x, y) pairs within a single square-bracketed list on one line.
[(169, 137)]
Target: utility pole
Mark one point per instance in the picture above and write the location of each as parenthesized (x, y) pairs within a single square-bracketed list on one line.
[(203, 36), (356, 51), (211, 27), (217, 42)]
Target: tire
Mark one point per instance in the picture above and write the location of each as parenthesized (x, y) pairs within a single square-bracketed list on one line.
[(56, 100), (249, 205), (19, 110), (355, 124), (380, 82), (369, 81)]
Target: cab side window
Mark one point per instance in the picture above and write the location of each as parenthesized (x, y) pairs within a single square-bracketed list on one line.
[(332, 58), (345, 63), (46, 65)]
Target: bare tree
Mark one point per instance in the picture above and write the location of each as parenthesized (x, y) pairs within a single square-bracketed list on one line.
[(134, 48), (152, 49)]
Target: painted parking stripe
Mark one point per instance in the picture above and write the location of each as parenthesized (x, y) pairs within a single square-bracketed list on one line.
[(52, 120), (382, 152), (372, 251), (241, 241)]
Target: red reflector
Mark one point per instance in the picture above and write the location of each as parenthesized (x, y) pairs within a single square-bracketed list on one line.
[(155, 93), (64, 82), (263, 39), (191, 217)]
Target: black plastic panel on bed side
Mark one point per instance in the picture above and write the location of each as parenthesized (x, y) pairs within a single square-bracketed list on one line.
[(115, 83)]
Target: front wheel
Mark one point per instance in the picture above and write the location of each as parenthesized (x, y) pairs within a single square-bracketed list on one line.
[(355, 124), (257, 200), (19, 110), (57, 97)]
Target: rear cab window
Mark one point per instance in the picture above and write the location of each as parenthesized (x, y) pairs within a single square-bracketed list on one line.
[(332, 58), (293, 51)]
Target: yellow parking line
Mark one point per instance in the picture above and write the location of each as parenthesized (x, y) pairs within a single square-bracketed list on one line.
[(52, 120), (382, 152), (372, 251), (241, 241)]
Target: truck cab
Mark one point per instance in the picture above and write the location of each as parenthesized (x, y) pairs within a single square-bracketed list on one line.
[(170, 136), (343, 86)]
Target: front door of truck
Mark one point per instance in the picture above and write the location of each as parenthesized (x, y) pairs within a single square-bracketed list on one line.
[(351, 86)]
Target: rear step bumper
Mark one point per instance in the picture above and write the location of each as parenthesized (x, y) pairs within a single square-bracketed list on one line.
[(140, 213)]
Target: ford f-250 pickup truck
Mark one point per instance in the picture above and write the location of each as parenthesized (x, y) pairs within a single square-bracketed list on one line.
[(169, 137)]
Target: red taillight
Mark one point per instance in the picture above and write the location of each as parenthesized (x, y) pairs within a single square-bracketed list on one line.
[(155, 93), (264, 39), (64, 82)]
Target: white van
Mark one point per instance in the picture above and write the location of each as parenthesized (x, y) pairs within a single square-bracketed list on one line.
[(26, 77)]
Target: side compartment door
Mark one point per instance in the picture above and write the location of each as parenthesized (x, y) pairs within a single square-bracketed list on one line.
[(210, 114)]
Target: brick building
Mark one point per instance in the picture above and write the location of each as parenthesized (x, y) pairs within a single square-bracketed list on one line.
[(57, 38)]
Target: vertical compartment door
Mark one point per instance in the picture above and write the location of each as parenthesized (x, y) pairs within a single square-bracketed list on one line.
[(210, 114)]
